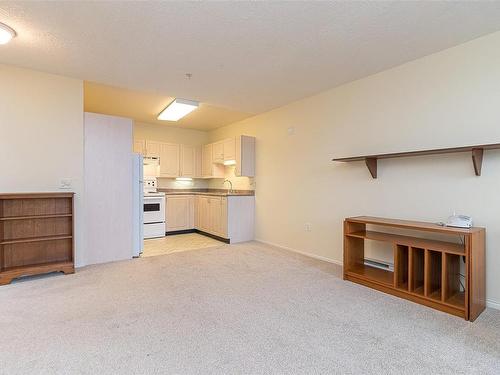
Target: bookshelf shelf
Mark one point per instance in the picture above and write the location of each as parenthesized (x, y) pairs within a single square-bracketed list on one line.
[(372, 274)]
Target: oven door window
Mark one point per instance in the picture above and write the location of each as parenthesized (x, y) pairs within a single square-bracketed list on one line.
[(152, 207)]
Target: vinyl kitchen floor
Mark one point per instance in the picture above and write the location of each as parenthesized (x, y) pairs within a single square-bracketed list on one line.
[(176, 243)]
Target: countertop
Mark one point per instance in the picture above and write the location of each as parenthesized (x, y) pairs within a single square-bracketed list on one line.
[(214, 192)]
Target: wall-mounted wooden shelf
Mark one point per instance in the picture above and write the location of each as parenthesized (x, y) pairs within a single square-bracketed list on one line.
[(476, 151), (426, 271)]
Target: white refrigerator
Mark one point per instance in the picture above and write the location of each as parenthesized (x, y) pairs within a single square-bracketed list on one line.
[(138, 202)]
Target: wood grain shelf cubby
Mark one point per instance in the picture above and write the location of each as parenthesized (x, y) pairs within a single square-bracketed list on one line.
[(36, 234), (426, 271)]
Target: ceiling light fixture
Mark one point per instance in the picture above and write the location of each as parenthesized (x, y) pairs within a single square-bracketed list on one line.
[(178, 109), (6, 33)]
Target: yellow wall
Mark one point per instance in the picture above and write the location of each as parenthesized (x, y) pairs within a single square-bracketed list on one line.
[(41, 135), (447, 99), (171, 134)]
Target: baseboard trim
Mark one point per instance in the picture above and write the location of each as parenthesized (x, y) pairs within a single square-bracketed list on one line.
[(489, 302), (222, 239), (314, 256), (493, 304), (184, 231)]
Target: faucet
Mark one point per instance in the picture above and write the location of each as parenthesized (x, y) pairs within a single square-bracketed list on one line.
[(230, 184)]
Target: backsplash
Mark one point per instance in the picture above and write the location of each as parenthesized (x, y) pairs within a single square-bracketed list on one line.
[(172, 183), (239, 183)]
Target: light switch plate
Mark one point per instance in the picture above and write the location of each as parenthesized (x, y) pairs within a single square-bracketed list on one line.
[(65, 183)]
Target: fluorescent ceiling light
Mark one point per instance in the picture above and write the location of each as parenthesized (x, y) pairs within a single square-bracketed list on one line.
[(178, 109), (6, 33)]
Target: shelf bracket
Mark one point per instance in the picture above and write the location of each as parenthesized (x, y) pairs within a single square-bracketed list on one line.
[(477, 160), (371, 164)]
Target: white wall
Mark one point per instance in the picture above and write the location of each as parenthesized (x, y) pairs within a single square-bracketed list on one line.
[(447, 99), (41, 136)]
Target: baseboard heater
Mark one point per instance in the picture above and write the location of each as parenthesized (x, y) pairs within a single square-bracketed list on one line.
[(379, 264)]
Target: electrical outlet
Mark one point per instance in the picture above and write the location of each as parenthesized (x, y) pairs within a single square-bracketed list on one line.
[(308, 227), (291, 130), (65, 183)]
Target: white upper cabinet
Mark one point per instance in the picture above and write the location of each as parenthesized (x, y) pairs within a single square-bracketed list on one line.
[(153, 149), (224, 150), (245, 156), (218, 152), (188, 161), (198, 162), (238, 151), (202, 161), (140, 146), (230, 149), (169, 159), (209, 168), (207, 161)]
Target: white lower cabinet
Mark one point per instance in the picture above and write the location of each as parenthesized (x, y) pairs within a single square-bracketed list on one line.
[(230, 217), (212, 214), (217, 209), (240, 218), (203, 213), (179, 212)]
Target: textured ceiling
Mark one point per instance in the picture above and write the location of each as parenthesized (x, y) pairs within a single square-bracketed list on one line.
[(246, 56), (145, 107)]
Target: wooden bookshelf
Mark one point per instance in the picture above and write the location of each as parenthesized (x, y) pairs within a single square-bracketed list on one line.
[(426, 271), (36, 234)]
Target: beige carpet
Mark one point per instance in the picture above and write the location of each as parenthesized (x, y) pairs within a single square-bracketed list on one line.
[(177, 243), (239, 309)]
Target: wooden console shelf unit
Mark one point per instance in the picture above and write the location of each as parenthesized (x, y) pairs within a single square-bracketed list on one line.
[(36, 234), (426, 271), (476, 151)]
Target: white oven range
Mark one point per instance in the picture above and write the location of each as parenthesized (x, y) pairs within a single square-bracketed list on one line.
[(154, 214)]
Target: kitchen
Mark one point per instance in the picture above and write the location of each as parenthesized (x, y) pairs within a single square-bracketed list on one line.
[(180, 197)]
